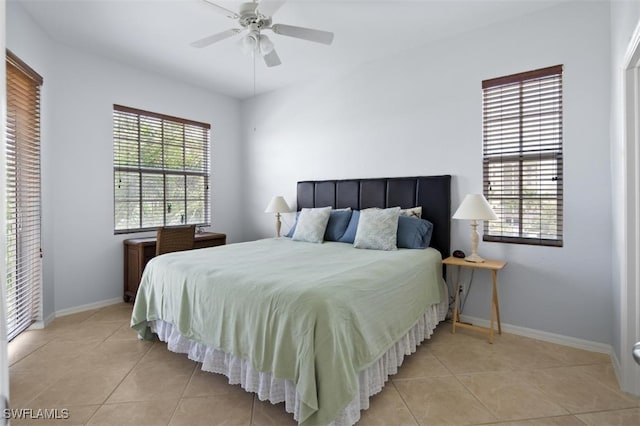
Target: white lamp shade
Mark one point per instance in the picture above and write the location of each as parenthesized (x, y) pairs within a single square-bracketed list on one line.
[(475, 207), (277, 205)]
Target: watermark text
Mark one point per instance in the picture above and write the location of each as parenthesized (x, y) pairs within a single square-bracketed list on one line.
[(35, 413)]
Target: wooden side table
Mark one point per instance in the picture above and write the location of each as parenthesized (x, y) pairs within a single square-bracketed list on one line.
[(492, 265)]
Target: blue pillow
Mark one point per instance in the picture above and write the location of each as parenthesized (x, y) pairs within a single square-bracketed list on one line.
[(350, 233), (414, 233), (338, 222), (293, 228)]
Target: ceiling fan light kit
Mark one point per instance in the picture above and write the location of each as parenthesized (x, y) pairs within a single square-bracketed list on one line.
[(253, 18), (254, 42), (265, 45)]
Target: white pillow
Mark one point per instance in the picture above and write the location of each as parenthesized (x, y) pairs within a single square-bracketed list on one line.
[(377, 229), (311, 224), (412, 212)]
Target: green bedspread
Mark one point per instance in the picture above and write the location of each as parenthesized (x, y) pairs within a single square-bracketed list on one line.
[(315, 314)]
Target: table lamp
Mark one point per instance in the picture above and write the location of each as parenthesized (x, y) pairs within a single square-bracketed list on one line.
[(474, 207), (277, 205)]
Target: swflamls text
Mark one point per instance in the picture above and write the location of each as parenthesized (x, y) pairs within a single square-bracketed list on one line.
[(36, 413)]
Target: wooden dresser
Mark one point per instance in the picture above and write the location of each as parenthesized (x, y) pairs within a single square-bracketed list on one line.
[(138, 251)]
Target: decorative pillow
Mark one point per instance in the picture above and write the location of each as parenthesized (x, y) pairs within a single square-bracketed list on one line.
[(414, 233), (412, 212), (293, 228), (350, 233), (312, 224), (377, 229), (338, 222)]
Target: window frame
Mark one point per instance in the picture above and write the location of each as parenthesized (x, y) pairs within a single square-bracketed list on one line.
[(164, 172), (524, 154)]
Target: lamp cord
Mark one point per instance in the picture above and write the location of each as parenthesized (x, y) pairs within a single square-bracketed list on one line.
[(466, 293), (463, 300)]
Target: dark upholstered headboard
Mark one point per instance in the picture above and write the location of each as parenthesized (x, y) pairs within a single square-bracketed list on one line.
[(433, 193)]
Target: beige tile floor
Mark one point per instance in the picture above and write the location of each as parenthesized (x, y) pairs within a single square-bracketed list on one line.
[(92, 364)]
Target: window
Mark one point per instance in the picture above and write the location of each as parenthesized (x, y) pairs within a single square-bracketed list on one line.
[(160, 169), (22, 196), (522, 156)]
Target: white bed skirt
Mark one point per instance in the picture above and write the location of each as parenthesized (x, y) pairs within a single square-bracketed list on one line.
[(370, 380)]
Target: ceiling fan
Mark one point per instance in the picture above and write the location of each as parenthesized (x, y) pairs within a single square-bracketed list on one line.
[(253, 18)]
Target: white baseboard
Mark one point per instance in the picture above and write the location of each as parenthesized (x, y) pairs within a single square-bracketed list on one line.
[(617, 367), (39, 325), (545, 336), (87, 307)]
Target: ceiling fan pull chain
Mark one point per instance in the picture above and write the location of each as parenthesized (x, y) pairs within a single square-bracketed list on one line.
[(254, 82)]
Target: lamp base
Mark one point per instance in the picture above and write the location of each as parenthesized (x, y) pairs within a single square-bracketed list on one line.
[(474, 258), (278, 225)]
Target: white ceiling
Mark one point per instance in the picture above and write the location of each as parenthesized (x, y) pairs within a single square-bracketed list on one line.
[(155, 34)]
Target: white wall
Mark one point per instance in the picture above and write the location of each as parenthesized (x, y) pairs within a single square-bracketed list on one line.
[(625, 17), (419, 113), (32, 45), (83, 258)]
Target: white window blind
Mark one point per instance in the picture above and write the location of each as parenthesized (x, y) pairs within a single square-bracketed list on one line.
[(23, 196), (161, 170), (522, 156)]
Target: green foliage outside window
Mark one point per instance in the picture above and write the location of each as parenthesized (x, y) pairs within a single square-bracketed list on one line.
[(161, 171)]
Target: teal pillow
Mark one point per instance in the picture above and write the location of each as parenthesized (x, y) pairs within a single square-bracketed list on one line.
[(414, 233)]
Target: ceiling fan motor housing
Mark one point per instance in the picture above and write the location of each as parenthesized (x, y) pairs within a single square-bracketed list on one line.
[(249, 16)]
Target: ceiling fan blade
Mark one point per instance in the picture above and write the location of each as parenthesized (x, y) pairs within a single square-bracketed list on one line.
[(215, 38), (272, 59), (324, 37), (228, 13), (269, 7)]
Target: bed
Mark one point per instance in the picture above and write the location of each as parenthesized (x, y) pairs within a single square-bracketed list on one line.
[(319, 327)]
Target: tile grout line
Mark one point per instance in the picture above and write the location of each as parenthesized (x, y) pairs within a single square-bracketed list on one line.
[(253, 404), (193, 373), (539, 389), (528, 419), (34, 397), (120, 382), (26, 355), (614, 388), (477, 399), (443, 364), (175, 410), (607, 411), (404, 402)]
